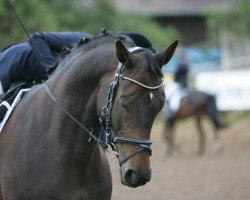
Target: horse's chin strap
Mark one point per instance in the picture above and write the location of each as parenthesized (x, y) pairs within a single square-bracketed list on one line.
[(105, 120), (144, 145)]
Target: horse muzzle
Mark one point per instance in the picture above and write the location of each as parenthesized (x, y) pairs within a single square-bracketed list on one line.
[(134, 170), (134, 177)]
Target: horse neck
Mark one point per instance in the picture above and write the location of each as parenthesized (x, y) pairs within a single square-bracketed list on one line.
[(76, 87)]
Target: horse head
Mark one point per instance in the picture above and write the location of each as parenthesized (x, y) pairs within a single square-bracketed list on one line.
[(106, 85), (135, 97)]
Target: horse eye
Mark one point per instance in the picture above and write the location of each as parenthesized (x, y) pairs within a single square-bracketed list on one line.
[(163, 94)]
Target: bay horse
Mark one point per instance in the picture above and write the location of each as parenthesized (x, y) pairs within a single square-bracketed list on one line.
[(53, 146), (196, 104)]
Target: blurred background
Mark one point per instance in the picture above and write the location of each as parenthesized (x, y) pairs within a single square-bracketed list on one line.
[(214, 35)]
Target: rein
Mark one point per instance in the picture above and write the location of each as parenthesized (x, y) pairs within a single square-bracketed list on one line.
[(90, 133), (105, 120)]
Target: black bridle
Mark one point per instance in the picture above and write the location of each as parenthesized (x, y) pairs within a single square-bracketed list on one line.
[(105, 119), (106, 122)]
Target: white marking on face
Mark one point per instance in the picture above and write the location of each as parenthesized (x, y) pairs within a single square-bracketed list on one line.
[(151, 95)]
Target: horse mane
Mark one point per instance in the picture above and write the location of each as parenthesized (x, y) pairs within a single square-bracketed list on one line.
[(89, 43), (86, 44)]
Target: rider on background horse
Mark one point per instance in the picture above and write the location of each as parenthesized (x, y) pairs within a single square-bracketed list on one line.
[(181, 102), (182, 71), (178, 88)]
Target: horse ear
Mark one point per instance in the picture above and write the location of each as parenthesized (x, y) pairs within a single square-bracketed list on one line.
[(164, 56), (122, 53)]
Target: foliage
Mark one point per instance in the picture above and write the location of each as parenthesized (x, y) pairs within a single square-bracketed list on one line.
[(145, 25), (105, 16), (64, 15), (236, 20), (31, 14)]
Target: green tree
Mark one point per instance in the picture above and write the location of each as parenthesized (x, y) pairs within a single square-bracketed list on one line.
[(65, 15), (31, 12), (103, 15), (236, 20)]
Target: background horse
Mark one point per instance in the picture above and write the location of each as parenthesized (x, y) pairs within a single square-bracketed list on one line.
[(52, 146), (194, 104)]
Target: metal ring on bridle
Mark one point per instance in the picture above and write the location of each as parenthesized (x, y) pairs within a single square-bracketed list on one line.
[(114, 149)]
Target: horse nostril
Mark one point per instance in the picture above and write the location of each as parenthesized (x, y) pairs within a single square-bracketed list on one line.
[(130, 177), (136, 179)]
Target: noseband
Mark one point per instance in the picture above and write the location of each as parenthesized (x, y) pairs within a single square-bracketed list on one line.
[(105, 120)]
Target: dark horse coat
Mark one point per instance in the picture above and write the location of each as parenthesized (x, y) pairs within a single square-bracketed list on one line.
[(45, 155)]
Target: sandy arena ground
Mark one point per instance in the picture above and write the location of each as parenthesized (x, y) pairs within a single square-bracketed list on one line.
[(216, 175)]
